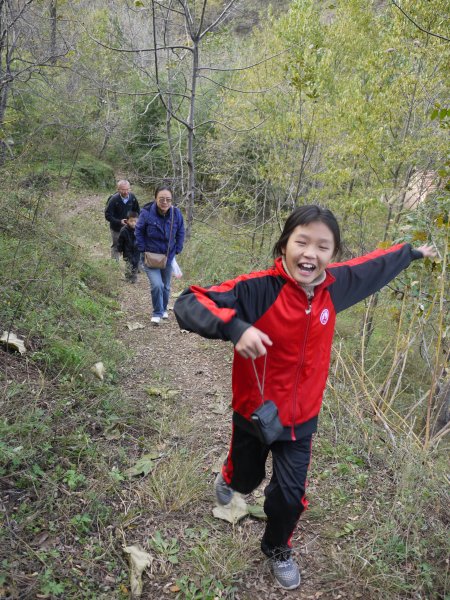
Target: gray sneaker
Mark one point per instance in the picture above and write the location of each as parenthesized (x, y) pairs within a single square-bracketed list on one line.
[(224, 493), (286, 573)]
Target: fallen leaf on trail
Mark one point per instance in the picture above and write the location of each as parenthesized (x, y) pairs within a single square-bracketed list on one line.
[(10, 340), (99, 370), (144, 465), (257, 511), (154, 392), (174, 588), (139, 560), (112, 432), (133, 325), (165, 394), (40, 538), (232, 512)]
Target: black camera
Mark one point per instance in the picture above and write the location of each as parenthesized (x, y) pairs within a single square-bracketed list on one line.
[(266, 422)]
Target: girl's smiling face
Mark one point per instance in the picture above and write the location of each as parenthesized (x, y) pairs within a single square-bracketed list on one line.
[(308, 251)]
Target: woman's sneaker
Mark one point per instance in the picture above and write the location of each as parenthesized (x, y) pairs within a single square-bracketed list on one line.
[(286, 572), (165, 315), (224, 493), (155, 320)]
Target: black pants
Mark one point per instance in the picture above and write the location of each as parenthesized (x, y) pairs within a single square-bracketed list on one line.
[(244, 470)]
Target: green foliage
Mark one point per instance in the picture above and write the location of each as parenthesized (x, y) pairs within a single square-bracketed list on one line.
[(147, 146), (82, 523), (207, 588), (73, 479), (50, 586), (166, 549)]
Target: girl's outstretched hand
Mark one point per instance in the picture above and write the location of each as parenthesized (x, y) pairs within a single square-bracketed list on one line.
[(427, 251), (252, 343)]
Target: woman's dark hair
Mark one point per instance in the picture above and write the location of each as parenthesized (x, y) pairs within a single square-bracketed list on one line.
[(304, 215), (162, 187)]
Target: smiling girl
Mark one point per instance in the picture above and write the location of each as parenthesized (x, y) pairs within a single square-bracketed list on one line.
[(281, 322)]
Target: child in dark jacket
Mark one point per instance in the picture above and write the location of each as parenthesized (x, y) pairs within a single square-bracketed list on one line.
[(127, 245), (281, 322)]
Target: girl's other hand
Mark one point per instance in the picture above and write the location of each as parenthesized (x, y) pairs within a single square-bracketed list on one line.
[(252, 343), (427, 251)]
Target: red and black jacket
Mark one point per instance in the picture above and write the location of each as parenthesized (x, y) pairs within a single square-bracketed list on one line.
[(301, 332)]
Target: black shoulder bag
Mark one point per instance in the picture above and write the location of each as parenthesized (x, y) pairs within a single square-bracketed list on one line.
[(265, 418)]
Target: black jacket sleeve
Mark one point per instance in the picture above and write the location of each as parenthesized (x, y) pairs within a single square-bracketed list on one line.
[(110, 212), (225, 311), (122, 240), (361, 277), (210, 314)]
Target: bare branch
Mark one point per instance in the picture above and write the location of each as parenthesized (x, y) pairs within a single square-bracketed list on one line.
[(202, 17), (137, 50), (166, 106), (231, 128), (218, 20), (240, 91), (243, 68), (160, 4), (189, 21), (437, 35)]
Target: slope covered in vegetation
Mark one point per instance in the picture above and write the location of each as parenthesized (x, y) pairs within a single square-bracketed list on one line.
[(341, 104)]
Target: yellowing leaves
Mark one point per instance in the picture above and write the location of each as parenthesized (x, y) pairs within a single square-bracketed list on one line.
[(164, 393), (384, 245), (420, 236)]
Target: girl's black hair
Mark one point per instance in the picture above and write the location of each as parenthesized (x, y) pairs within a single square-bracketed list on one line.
[(304, 215), (162, 187)]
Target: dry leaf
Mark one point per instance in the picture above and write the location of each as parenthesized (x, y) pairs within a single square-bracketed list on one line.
[(174, 588), (232, 512), (133, 325), (99, 370), (112, 432), (139, 560), (144, 465), (257, 511), (218, 409), (11, 340), (163, 393)]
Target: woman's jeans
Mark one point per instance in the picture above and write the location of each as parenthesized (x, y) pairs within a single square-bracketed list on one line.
[(159, 288)]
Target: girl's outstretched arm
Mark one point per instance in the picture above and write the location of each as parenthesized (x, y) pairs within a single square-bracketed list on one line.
[(361, 277)]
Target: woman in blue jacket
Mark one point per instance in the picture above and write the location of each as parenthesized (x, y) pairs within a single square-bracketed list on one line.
[(160, 229)]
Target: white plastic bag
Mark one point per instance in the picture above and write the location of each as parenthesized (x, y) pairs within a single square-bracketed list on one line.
[(176, 271)]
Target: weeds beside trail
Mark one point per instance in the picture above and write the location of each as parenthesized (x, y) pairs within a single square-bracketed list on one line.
[(376, 528)]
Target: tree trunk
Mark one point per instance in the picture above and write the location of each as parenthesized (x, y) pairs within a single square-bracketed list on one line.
[(53, 21), (191, 188)]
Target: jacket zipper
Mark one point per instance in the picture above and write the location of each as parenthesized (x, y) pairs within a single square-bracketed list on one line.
[(294, 397)]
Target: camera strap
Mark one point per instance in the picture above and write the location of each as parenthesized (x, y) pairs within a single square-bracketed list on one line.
[(258, 381)]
